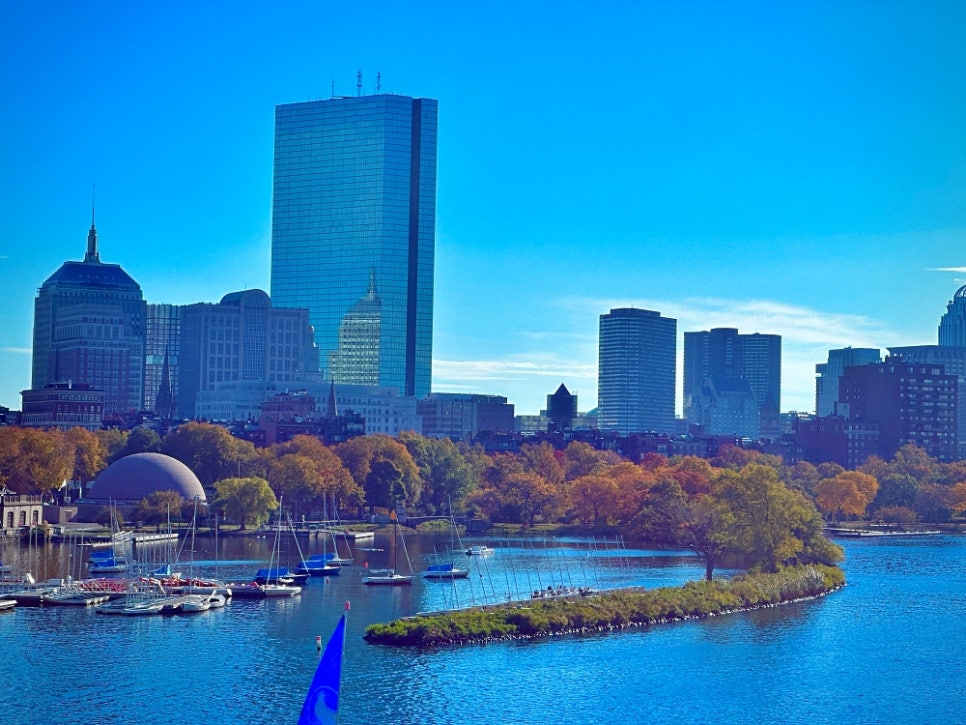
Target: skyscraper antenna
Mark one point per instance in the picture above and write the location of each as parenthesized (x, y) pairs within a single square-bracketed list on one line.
[(359, 82), (378, 81), (332, 95)]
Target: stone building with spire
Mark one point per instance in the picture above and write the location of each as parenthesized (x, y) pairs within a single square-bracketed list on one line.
[(89, 332)]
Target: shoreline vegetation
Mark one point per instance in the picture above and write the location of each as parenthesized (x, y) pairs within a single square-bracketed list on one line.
[(612, 610)]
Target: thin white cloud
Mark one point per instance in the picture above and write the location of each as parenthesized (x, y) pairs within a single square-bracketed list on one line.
[(16, 350), (516, 369), (958, 270)]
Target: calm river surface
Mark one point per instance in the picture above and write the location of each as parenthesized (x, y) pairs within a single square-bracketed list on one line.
[(889, 648)]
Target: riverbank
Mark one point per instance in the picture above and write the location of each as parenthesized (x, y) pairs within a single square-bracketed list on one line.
[(611, 610)]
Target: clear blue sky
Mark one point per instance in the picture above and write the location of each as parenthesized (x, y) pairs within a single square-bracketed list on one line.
[(788, 168)]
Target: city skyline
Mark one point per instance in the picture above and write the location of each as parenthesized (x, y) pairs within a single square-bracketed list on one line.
[(789, 171)]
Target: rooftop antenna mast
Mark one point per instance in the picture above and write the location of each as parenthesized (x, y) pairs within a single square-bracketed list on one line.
[(378, 81), (333, 90), (359, 82)]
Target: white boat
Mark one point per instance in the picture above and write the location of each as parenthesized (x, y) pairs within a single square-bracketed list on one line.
[(7, 605), (139, 609), (280, 590), (392, 577), (195, 603), (478, 550), (445, 571)]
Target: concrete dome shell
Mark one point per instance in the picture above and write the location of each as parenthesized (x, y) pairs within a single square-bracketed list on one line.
[(139, 475)]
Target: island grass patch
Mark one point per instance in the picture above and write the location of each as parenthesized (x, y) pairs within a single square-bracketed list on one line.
[(608, 610)]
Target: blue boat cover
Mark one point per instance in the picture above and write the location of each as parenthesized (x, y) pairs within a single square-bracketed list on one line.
[(272, 573)]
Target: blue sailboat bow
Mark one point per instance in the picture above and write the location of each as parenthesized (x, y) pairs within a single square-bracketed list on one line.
[(321, 706)]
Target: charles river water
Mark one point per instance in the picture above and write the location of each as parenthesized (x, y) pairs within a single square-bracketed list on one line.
[(888, 648)]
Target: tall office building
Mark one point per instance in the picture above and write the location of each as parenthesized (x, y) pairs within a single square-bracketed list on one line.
[(830, 372), (353, 233), (89, 330), (723, 355), (952, 325), (636, 371), (242, 339)]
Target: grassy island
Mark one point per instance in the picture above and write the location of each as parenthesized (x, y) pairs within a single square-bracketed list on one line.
[(609, 610)]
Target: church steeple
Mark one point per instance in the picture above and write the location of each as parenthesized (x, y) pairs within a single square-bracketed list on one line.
[(92, 255), (331, 411)]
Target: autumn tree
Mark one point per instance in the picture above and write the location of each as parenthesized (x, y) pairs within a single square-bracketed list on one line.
[(90, 456), (694, 474), (245, 500), (210, 451), (956, 497), (42, 462), (582, 459), (519, 498), (541, 459), (359, 454), (847, 494), (594, 498), (296, 478)]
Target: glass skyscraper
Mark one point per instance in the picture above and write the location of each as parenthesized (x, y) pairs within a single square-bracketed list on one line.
[(636, 371), (353, 226)]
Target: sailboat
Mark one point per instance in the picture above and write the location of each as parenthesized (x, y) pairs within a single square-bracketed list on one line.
[(391, 577), (447, 570), (272, 586), (321, 706)]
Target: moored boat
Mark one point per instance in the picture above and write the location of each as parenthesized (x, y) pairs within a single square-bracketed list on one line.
[(444, 571), (479, 550)]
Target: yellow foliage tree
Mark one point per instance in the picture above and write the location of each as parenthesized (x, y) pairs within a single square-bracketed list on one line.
[(847, 494)]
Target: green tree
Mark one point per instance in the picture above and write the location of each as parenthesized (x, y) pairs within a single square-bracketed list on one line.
[(773, 525), (141, 440), (113, 442), (445, 473), (358, 456), (245, 500), (803, 476), (159, 507), (384, 484)]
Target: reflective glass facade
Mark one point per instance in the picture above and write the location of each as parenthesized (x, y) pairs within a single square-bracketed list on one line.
[(354, 200)]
